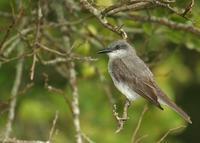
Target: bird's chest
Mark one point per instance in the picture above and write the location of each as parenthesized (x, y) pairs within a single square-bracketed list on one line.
[(121, 86)]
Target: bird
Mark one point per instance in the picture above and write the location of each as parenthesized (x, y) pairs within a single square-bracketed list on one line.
[(133, 78)]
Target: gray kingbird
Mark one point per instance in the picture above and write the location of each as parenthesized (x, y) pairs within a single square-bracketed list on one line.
[(133, 78)]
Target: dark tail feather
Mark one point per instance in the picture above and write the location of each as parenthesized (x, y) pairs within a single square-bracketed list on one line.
[(165, 100)]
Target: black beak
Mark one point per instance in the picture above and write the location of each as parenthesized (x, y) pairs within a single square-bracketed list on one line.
[(107, 50)]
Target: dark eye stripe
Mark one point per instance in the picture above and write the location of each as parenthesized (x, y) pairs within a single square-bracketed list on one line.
[(117, 47)]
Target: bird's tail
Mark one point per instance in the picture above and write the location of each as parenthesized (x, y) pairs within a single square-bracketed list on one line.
[(163, 99)]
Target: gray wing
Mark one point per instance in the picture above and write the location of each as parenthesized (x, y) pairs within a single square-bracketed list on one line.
[(137, 76)]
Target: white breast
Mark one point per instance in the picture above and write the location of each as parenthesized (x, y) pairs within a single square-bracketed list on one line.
[(123, 88), (127, 91)]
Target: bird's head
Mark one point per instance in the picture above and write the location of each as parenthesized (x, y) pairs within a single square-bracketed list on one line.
[(118, 48)]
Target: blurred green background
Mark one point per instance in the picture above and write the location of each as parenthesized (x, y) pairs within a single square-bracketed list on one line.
[(172, 55)]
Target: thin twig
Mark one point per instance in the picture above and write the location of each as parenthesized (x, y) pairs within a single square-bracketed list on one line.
[(15, 37), (37, 39), (188, 8), (168, 6), (140, 138), (51, 50), (87, 138), (10, 27), (32, 71), (103, 20), (111, 10), (168, 132), (67, 59), (53, 128), (166, 22), (56, 90), (133, 140)]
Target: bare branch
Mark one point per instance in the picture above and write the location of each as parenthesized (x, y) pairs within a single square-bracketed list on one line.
[(53, 128), (168, 132), (188, 8), (140, 138), (14, 140), (67, 59), (111, 10), (87, 138), (14, 92), (75, 102), (166, 22), (37, 38), (168, 6), (56, 90), (103, 21), (51, 50), (10, 27), (32, 71), (133, 140)]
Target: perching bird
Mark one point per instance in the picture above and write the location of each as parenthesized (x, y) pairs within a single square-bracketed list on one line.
[(133, 78)]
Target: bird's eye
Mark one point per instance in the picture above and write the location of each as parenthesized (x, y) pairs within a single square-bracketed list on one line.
[(117, 47)]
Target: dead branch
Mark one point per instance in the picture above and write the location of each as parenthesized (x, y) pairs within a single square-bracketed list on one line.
[(188, 8), (51, 50), (14, 140), (134, 139), (10, 27), (132, 5), (168, 132), (75, 102), (118, 30), (52, 131), (53, 89), (164, 21), (87, 138), (14, 92), (37, 39), (67, 59)]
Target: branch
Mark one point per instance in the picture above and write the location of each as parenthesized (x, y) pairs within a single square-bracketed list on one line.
[(168, 132), (14, 92), (166, 22), (51, 50), (117, 29), (10, 27), (87, 138), (53, 127), (188, 8), (37, 38), (167, 6), (113, 9), (65, 60), (53, 89), (135, 5), (123, 119), (133, 140), (75, 103), (14, 140)]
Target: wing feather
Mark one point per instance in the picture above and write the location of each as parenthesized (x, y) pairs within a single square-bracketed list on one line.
[(139, 82)]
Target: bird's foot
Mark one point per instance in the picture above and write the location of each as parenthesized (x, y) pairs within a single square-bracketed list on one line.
[(121, 120)]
